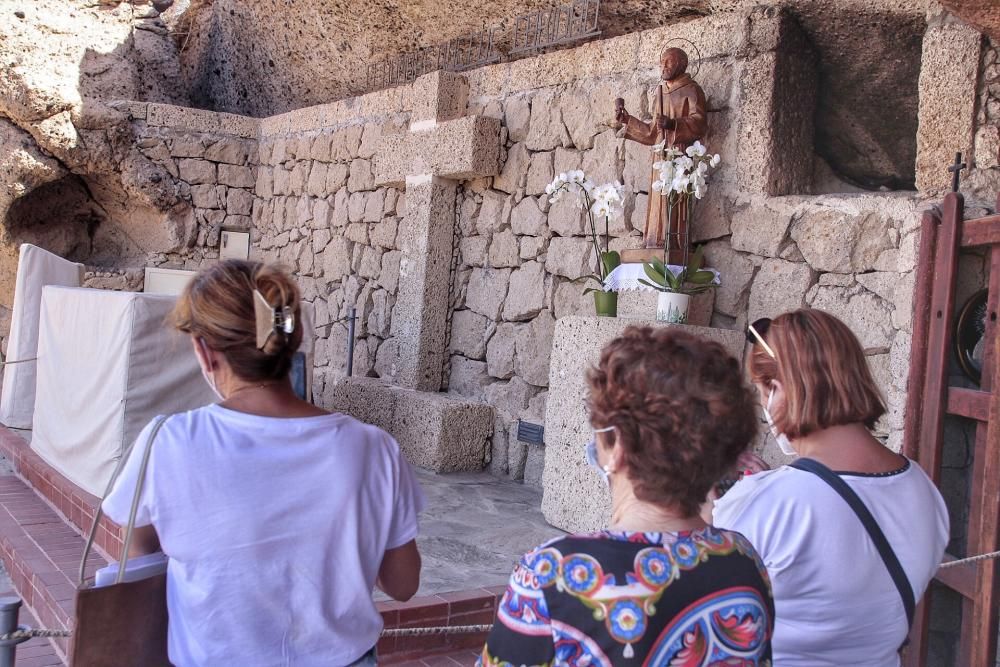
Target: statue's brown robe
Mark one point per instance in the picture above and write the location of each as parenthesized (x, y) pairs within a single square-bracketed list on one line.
[(683, 100)]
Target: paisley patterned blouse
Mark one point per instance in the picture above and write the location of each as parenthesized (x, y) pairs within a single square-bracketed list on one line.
[(611, 598)]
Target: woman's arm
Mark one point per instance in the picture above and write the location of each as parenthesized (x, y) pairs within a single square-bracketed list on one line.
[(399, 574), (144, 541)]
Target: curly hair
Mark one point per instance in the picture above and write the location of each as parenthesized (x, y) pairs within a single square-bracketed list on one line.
[(681, 409)]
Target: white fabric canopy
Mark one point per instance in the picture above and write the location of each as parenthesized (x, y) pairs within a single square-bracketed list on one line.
[(627, 276), (107, 364), (36, 268)]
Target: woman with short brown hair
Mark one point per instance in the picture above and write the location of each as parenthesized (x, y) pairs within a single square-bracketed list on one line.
[(851, 533), (670, 415), (277, 518)]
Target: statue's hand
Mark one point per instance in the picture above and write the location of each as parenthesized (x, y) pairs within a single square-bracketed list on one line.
[(621, 115)]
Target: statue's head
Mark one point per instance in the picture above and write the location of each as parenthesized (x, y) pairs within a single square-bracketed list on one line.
[(673, 63)]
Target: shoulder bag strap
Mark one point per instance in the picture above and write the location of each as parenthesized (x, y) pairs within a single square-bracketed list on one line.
[(140, 480), (868, 521)]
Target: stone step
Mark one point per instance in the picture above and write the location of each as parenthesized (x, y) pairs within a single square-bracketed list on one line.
[(43, 517), (41, 552)]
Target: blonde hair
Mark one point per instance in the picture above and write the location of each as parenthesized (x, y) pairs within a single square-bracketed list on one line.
[(218, 307), (823, 370)]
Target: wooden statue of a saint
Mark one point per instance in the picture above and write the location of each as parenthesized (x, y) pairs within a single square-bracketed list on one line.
[(679, 120)]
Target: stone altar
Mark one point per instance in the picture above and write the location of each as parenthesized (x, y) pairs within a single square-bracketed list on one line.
[(574, 497)]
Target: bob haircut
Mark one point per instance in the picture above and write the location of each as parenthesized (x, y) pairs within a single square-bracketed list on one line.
[(822, 368)]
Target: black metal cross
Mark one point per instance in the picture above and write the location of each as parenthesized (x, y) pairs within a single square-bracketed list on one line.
[(956, 171)]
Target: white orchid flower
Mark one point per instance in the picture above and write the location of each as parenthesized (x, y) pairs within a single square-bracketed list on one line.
[(658, 186), (684, 163), (702, 168), (716, 159), (576, 176), (697, 149)]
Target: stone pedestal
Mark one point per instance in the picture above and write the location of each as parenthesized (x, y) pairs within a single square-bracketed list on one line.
[(437, 432), (575, 499)]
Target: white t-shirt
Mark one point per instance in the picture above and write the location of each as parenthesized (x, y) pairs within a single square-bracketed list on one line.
[(275, 530), (835, 603)]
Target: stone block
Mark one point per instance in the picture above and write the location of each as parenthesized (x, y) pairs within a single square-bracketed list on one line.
[(515, 170), (533, 343), (500, 352), (547, 130), (239, 202), (604, 162), (528, 219), (494, 213), (504, 250), (567, 216), (470, 332), (517, 117), (437, 432), (833, 241), (526, 295), (236, 177), (779, 287), (420, 318), (198, 172), (531, 247), (570, 257), (361, 177), (761, 229), (737, 271), (946, 112), (462, 149), (988, 147), (539, 173), (439, 96), (487, 291), (776, 158), (205, 196), (468, 378), (575, 499), (473, 250), (866, 314), (230, 151)]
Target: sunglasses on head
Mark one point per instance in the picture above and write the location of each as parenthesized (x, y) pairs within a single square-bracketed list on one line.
[(755, 334)]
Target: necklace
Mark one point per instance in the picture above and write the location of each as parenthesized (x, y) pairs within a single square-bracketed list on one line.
[(250, 386)]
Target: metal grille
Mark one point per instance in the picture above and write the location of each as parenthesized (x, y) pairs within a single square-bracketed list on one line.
[(558, 25), (462, 53)]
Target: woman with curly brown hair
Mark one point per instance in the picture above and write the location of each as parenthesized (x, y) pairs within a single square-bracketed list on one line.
[(851, 532), (670, 416), (277, 518)]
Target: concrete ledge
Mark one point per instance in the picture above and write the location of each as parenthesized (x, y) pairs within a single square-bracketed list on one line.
[(438, 432), (574, 497)]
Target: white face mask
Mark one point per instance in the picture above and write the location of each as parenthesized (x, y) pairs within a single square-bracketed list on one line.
[(783, 442), (208, 375), (590, 453)]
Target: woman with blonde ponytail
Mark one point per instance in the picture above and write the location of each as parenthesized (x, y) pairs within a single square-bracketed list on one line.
[(278, 518)]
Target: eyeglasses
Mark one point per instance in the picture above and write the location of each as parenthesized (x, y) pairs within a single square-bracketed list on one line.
[(755, 334)]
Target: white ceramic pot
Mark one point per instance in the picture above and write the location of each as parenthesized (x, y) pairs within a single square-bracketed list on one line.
[(673, 307)]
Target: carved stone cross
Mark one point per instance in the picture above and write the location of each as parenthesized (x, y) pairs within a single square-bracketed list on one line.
[(443, 146)]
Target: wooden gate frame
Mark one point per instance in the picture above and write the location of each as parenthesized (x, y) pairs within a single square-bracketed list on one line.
[(930, 398)]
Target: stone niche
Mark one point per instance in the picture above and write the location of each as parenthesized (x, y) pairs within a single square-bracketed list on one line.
[(574, 497)]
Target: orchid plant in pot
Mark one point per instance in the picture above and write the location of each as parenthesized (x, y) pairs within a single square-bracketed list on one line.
[(677, 285), (602, 202), (682, 180)]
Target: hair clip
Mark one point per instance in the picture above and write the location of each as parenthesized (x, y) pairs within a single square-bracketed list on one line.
[(760, 339), (270, 320)]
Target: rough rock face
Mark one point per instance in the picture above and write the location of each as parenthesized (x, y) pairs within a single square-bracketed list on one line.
[(71, 176), (261, 57), (984, 14)]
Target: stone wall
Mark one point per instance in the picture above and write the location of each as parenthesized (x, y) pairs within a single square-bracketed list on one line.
[(317, 212)]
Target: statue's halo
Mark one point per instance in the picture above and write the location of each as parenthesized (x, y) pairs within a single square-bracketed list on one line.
[(697, 51)]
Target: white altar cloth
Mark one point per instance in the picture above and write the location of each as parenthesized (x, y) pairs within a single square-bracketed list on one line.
[(36, 268), (627, 276), (107, 364)]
